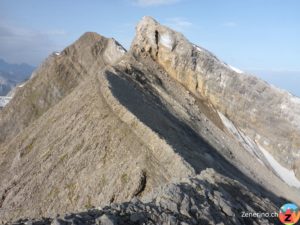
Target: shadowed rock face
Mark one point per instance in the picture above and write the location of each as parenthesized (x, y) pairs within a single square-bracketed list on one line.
[(97, 126)]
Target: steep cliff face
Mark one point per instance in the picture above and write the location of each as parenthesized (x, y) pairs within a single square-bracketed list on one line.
[(97, 125), (268, 116)]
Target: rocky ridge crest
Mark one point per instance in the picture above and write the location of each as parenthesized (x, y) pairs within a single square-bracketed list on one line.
[(97, 126)]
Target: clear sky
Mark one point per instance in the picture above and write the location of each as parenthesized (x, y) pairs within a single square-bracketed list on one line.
[(258, 36)]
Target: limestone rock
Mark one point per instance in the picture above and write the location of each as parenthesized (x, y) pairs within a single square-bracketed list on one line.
[(133, 133), (267, 116), (207, 197)]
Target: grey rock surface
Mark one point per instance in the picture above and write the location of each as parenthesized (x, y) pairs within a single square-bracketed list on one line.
[(209, 198), (55, 79), (97, 126)]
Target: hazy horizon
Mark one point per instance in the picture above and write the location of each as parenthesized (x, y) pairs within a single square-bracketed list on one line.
[(253, 36)]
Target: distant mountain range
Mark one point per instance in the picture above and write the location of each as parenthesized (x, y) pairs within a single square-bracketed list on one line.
[(12, 74)]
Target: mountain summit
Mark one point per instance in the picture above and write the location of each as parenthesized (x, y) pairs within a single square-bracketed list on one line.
[(267, 116), (165, 133)]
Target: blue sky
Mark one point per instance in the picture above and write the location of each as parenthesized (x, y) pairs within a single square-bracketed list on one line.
[(258, 36)]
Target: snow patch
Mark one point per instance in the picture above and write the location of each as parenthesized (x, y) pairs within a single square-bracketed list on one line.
[(121, 49), (288, 176), (295, 100), (235, 69), (198, 48), (246, 141), (22, 85), (4, 100), (232, 67), (167, 41)]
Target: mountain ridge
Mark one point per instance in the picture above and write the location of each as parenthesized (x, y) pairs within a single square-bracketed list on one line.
[(56, 86), (105, 126)]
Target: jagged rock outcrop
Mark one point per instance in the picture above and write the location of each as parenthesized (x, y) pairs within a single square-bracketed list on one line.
[(208, 198), (96, 125)]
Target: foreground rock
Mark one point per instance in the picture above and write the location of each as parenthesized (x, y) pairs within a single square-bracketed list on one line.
[(208, 198)]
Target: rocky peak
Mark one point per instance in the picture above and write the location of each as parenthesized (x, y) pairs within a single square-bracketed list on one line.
[(57, 77), (92, 47), (150, 36), (89, 38), (208, 198), (263, 115), (98, 126)]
